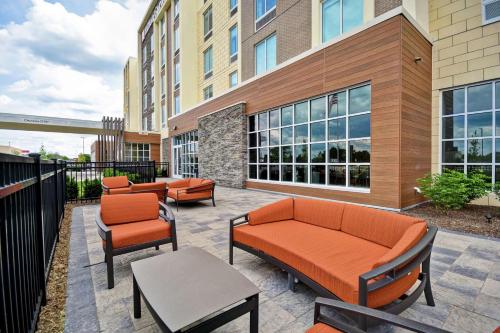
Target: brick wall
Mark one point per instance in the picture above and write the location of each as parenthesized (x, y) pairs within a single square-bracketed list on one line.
[(465, 51), (382, 6), (292, 26)]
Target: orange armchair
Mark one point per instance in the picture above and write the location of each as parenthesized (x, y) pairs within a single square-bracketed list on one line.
[(132, 222), (160, 189), (116, 185), (191, 190)]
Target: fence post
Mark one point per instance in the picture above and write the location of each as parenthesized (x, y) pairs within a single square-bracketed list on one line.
[(65, 169), (114, 167), (39, 227), (56, 201), (154, 171)]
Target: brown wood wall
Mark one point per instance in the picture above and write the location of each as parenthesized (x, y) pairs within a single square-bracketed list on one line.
[(400, 119), (152, 139)]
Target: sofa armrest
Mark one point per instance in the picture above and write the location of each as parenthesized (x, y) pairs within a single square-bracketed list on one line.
[(167, 212), (368, 313), (276, 211), (102, 229), (105, 189), (397, 268), (200, 188), (179, 183)]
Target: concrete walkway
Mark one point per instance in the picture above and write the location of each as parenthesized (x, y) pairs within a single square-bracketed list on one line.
[(465, 273)]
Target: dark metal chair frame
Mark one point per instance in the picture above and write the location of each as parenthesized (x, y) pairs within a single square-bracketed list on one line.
[(105, 189), (194, 189), (106, 234), (387, 274), (377, 316)]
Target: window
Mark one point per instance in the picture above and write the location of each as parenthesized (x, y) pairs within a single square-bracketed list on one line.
[(176, 39), (233, 43), (233, 7), (233, 79), (207, 23), (340, 16), (162, 27), (324, 141), (151, 73), (144, 54), (152, 95), (207, 62), (491, 11), (185, 152), (162, 85), (144, 123), (145, 102), (163, 55), (177, 74), (163, 115), (470, 129), (262, 7), (176, 8), (152, 44), (136, 152), (145, 77), (153, 121), (265, 55), (208, 92), (177, 104)]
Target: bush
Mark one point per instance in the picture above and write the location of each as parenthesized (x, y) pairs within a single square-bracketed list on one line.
[(92, 188), (71, 188), (133, 177), (452, 189)]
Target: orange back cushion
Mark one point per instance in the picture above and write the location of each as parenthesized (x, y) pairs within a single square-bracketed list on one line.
[(326, 214), (381, 227), (125, 208), (278, 211), (195, 182), (115, 182), (148, 187)]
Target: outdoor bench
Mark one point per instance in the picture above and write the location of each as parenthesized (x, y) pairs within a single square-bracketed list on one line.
[(191, 190), (356, 254), (121, 185)]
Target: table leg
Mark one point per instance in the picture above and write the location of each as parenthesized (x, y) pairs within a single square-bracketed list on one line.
[(137, 300), (254, 316)]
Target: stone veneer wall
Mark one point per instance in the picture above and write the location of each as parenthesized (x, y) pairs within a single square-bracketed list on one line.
[(222, 146)]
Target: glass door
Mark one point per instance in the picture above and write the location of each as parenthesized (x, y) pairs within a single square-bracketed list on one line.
[(176, 156)]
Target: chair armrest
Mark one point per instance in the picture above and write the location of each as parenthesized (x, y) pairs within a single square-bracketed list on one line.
[(130, 183), (233, 222), (105, 188), (102, 229), (168, 214), (369, 313), (200, 188)]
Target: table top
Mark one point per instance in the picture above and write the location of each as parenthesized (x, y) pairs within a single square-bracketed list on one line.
[(188, 285)]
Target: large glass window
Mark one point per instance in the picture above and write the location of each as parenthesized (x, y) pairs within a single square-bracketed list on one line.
[(136, 152), (176, 8), (324, 141), (177, 104), (176, 39), (207, 21), (262, 7), (265, 55), (233, 41), (208, 92), (340, 16), (470, 129), (177, 73), (233, 79), (185, 147), (207, 61)]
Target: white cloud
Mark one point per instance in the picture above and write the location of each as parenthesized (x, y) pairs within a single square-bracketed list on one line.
[(57, 63)]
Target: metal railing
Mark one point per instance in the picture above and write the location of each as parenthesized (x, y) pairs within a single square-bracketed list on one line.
[(162, 169), (32, 198), (83, 179)]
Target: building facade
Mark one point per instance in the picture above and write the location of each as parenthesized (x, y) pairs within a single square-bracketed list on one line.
[(130, 95), (349, 100)]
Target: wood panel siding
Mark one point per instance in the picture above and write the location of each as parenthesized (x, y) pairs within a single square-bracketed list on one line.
[(400, 107)]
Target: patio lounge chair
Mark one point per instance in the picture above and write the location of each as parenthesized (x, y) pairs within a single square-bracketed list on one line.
[(191, 190), (159, 188), (325, 324), (116, 185), (356, 254), (131, 222)]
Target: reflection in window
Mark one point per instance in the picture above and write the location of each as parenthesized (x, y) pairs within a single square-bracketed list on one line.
[(308, 142), (340, 16)]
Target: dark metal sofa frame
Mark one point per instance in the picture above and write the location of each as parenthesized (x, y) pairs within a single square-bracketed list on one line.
[(376, 316), (155, 192), (387, 274), (105, 189), (194, 189), (106, 235)]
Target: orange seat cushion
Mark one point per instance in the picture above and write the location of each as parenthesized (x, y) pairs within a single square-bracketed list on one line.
[(333, 259), (125, 208), (115, 182), (322, 328), (129, 234), (121, 190), (277, 211), (378, 226), (183, 196), (327, 214)]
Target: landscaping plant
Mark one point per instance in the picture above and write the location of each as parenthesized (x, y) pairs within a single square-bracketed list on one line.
[(71, 188), (92, 188), (452, 189)]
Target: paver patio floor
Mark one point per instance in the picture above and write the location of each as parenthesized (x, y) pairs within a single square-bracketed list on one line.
[(465, 274)]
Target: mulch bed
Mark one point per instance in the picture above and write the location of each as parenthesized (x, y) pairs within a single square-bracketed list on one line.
[(53, 314), (471, 219)]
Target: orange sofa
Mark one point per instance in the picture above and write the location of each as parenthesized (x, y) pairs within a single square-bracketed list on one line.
[(160, 189), (356, 254), (191, 190), (131, 222), (116, 185)]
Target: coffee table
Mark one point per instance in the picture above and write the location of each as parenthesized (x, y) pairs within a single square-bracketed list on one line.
[(193, 291)]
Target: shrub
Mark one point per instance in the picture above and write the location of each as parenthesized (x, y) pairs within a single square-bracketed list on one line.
[(133, 177), (452, 189), (71, 188), (92, 188)]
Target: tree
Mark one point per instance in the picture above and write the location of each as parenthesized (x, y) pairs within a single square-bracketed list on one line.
[(83, 157)]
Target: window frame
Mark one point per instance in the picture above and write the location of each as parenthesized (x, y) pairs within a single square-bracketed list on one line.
[(208, 52), (131, 147), (264, 15), (233, 9), (177, 104), (265, 41), (176, 9), (233, 55), (208, 92), (207, 34), (484, 3), (341, 20), (347, 165), (231, 85)]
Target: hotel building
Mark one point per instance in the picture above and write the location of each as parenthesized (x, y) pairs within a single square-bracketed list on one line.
[(349, 100)]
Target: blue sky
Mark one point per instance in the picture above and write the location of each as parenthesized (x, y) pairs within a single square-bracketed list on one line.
[(64, 58)]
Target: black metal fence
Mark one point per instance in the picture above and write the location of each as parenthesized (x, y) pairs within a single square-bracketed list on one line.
[(32, 198), (84, 178)]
